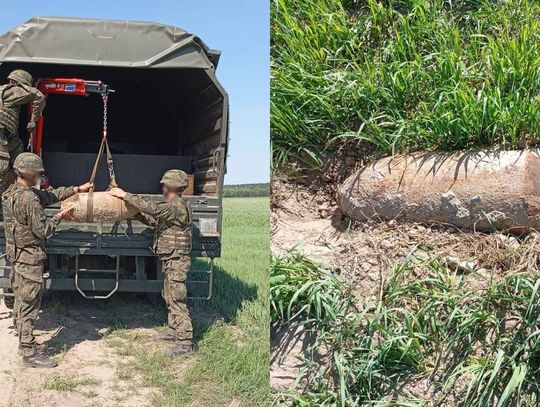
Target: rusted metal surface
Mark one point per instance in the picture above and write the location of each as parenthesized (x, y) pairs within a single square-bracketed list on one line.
[(482, 190), (105, 208)]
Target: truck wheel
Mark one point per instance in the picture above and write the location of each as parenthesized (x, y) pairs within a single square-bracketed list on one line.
[(9, 301)]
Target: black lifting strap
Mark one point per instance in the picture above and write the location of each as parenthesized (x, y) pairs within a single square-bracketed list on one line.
[(110, 164)]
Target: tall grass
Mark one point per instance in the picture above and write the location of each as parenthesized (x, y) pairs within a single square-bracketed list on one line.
[(403, 75), (301, 290), (476, 347)]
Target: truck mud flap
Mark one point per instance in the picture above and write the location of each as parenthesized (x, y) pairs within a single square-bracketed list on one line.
[(5, 272), (5, 282)]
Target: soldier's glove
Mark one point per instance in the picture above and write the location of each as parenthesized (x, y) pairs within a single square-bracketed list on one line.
[(31, 126), (64, 213)]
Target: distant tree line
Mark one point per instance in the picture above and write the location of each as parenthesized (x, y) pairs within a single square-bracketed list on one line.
[(246, 190)]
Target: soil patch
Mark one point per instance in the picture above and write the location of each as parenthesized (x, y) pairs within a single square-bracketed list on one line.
[(90, 372), (365, 254)]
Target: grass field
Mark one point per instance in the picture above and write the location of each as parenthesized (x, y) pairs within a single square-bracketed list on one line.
[(475, 347), (233, 359), (246, 190), (403, 75), (231, 330)]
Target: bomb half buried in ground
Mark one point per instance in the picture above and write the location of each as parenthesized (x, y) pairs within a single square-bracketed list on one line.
[(481, 190)]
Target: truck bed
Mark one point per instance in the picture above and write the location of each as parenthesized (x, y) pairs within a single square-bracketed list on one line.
[(128, 243), (128, 237)]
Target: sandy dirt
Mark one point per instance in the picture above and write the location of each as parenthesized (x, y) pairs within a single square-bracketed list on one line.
[(75, 334), (285, 360), (364, 254), (303, 220)]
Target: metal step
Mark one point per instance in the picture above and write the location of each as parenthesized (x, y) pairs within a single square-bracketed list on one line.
[(116, 271)]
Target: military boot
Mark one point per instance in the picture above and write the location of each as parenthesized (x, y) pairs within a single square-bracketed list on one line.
[(168, 336), (39, 348), (181, 349), (39, 360)]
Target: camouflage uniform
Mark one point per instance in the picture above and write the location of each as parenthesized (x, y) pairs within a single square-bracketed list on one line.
[(172, 244), (12, 97), (26, 229)]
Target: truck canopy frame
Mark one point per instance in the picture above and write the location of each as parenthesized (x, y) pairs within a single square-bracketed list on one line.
[(173, 68)]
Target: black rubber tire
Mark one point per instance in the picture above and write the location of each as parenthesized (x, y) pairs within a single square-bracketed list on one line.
[(9, 301)]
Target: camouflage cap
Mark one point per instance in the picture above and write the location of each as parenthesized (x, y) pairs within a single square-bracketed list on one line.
[(175, 179), (28, 163), (21, 76)]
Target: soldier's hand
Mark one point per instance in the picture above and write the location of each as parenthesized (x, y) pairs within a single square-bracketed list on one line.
[(64, 212), (85, 187), (31, 126), (117, 192)]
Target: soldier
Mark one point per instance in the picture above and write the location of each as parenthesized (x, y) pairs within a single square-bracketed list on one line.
[(17, 92), (172, 244), (26, 229)]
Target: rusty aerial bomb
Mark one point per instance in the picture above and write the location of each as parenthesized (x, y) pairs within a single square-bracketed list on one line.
[(104, 208), (481, 190)]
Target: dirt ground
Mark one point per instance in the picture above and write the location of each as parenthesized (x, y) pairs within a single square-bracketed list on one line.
[(287, 347), (77, 334), (364, 254)]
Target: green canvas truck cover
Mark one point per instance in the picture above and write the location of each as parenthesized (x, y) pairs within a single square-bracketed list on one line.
[(168, 111), (57, 40), (163, 76)]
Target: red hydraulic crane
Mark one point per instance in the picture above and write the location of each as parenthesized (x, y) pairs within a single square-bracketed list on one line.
[(67, 86)]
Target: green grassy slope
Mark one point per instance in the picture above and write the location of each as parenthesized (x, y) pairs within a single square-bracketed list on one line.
[(403, 75), (472, 347)]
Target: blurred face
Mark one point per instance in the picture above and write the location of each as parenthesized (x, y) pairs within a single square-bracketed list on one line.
[(32, 179), (169, 192)]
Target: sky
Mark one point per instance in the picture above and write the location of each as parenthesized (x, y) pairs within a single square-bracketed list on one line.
[(239, 28)]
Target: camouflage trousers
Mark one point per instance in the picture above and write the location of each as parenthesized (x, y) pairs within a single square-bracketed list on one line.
[(10, 147), (175, 294), (27, 285)]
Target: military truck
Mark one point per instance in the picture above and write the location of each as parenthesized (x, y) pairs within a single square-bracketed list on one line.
[(168, 110)]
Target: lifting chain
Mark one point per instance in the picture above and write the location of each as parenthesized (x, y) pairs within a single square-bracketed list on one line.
[(104, 146), (110, 162), (105, 98)]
